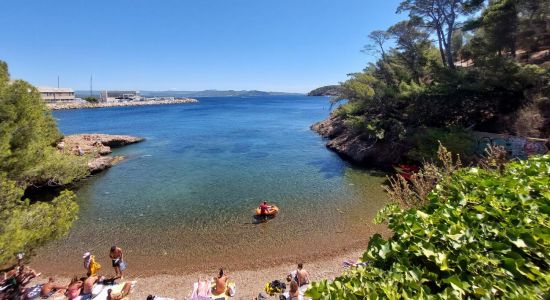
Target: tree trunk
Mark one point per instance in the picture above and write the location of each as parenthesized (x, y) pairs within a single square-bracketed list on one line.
[(441, 51), (449, 50)]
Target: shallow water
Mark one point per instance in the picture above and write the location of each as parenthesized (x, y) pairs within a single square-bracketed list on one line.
[(183, 200)]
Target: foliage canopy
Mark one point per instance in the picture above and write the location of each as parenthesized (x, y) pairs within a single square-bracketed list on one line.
[(481, 234), (28, 134)]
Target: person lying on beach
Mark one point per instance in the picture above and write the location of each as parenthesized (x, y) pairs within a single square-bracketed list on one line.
[(51, 287), (220, 283), (23, 275), (73, 290), (351, 264), (88, 285), (118, 296)]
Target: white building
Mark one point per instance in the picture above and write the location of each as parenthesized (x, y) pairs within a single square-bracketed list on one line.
[(52, 95)]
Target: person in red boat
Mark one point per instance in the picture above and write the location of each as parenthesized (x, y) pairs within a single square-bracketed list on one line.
[(264, 208)]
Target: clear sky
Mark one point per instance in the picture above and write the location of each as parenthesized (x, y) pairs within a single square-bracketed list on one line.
[(272, 45)]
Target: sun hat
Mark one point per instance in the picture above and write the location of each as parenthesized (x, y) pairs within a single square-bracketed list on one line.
[(86, 254)]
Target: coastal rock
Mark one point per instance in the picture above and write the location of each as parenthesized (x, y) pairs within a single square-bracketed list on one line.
[(361, 149), (96, 146)]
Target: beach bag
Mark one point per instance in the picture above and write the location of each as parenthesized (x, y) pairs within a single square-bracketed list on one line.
[(232, 288), (123, 266)]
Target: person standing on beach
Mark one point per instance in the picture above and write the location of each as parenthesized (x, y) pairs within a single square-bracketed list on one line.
[(117, 258), (90, 264)]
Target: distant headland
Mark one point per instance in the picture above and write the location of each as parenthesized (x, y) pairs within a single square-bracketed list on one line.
[(328, 90), (193, 94)]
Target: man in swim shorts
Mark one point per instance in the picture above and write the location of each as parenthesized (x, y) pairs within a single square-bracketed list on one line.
[(117, 257)]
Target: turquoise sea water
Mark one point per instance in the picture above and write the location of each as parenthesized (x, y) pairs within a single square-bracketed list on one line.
[(182, 200)]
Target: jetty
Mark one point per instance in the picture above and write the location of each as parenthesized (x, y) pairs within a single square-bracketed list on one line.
[(83, 104)]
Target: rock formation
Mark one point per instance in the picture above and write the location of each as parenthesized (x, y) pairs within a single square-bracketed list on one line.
[(96, 147), (361, 149)]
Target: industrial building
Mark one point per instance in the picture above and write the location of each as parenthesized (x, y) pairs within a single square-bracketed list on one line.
[(53, 95), (107, 96)]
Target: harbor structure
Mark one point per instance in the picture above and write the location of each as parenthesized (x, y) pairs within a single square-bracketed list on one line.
[(110, 96), (55, 95)]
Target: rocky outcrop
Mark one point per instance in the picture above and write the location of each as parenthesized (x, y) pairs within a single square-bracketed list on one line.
[(359, 148), (96, 147)]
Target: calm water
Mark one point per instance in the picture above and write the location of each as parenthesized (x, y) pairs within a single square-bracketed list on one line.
[(182, 201)]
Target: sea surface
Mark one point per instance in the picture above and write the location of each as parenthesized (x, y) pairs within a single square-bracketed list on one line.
[(183, 200)]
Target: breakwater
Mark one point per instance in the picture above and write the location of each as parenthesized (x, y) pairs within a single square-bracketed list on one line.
[(77, 105)]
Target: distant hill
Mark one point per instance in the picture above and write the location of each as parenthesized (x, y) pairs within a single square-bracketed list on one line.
[(206, 93), (329, 90)]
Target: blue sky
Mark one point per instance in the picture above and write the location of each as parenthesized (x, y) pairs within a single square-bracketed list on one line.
[(283, 45)]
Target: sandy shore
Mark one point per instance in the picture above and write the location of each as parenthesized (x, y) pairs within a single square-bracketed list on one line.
[(249, 282)]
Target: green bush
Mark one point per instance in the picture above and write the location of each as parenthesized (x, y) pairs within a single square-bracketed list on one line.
[(426, 142), (350, 109), (482, 234)]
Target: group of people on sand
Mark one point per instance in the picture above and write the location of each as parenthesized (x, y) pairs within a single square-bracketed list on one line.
[(298, 281), (13, 283), (83, 286), (218, 288)]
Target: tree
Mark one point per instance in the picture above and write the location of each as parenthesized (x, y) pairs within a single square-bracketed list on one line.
[(413, 42), (28, 133), (441, 16), (91, 99), (378, 39), (26, 226)]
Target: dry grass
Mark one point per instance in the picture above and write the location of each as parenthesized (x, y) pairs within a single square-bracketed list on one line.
[(415, 193)]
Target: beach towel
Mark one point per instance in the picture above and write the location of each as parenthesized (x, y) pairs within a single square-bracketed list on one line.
[(201, 290), (99, 291), (34, 292)]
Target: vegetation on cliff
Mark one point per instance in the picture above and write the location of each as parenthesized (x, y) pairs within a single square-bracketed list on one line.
[(328, 90), (28, 157), (472, 77), (477, 233)]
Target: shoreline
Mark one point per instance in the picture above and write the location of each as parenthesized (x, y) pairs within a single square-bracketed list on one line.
[(249, 281), (79, 105)]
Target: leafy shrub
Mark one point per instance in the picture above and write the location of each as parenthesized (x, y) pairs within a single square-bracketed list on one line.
[(350, 109), (91, 99), (482, 234), (426, 142)]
